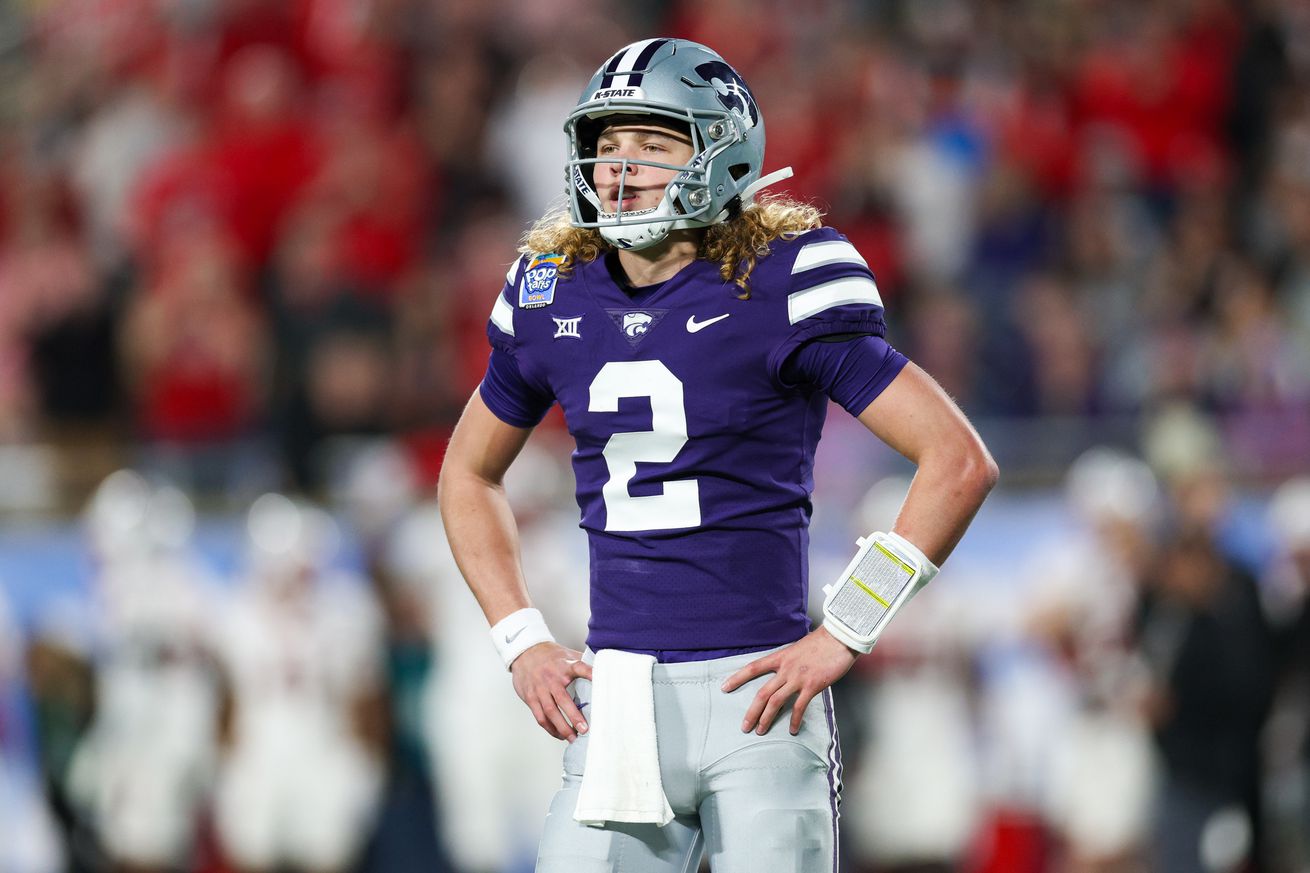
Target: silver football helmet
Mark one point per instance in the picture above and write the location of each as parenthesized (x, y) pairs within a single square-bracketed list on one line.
[(683, 83)]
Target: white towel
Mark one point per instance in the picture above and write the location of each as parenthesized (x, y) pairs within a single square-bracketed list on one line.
[(621, 780)]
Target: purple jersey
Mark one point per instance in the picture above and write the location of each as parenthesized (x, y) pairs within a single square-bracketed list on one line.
[(694, 456)]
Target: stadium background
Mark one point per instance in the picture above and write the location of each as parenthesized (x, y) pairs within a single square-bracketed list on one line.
[(249, 248)]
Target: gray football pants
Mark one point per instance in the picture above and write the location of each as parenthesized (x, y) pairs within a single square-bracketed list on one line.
[(758, 804)]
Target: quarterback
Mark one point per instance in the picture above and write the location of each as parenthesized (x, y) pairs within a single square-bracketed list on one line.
[(693, 335)]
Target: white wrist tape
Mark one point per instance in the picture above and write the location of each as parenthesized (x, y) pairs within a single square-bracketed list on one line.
[(519, 631), (882, 577)]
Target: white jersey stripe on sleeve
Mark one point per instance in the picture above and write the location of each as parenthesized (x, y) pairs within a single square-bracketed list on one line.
[(839, 292), (629, 61), (512, 274), (822, 254), (502, 315)]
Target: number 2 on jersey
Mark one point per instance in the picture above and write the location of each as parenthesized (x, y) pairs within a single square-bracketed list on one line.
[(679, 505)]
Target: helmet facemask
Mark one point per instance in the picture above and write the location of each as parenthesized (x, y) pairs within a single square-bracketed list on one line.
[(687, 200)]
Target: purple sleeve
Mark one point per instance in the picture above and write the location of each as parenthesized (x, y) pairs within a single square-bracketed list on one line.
[(509, 396), (830, 290), (852, 371)]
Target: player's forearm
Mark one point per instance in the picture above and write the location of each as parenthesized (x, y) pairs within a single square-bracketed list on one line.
[(951, 483), (954, 478), (917, 418), (484, 539)]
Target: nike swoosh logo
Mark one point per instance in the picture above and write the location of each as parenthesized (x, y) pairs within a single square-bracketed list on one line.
[(693, 325), (509, 638)]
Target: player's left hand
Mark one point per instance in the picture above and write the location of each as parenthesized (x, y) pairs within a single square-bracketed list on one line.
[(801, 670)]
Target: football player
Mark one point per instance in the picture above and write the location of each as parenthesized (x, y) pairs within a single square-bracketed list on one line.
[(300, 775), (693, 337)]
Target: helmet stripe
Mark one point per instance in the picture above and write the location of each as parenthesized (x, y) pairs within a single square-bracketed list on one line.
[(643, 61), (611, 67), (628, 62)]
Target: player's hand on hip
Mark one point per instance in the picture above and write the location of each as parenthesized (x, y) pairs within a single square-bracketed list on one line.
[(541, 678), (801, 670)]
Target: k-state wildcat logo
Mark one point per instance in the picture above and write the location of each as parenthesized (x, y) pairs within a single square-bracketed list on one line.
[(636, 323), (731, 90)]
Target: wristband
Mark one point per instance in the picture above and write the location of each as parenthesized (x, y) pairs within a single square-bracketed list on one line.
[(519, 631), (927, 569), (885, 573)]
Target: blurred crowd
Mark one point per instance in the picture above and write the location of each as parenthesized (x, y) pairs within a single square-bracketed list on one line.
[(236, 233), (248, 249)]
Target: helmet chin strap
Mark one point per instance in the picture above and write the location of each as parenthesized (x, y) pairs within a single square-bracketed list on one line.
[(748, 194)]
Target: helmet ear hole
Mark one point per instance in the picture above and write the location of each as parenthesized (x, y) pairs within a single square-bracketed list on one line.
[(737, 171)]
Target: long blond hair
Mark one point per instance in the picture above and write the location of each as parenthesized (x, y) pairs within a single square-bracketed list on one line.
[(736, 244)]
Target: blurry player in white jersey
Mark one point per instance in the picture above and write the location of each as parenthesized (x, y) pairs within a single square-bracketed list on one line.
[(693, 337), (145, 767), (300, 778), (493, 782), (916, 803), (1099, 777)]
